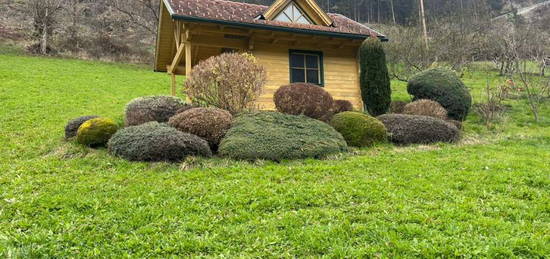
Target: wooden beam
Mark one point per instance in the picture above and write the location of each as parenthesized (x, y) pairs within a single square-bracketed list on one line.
[(188, 59), (177, 59), (174, 84)]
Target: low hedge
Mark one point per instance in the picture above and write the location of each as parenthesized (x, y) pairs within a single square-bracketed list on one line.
[(359, 129), (96, 132), (154, 141), (276, 136), (304, 99), (342, 106), (413, 129), (152, 108), (426, 107), (210, 124), (72, 126)]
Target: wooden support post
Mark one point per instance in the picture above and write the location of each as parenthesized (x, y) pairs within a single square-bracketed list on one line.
[(188, 59)]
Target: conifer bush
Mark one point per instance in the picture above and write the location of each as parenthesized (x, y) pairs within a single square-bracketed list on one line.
[(72, 126), (359, 129), (406, 129), (342, 106), (375, 79), (426, 107), (153, 142), (276, 136), (230, 81), (211, 124), (443, 86), (304, 99), (152, 108), (96, 132)]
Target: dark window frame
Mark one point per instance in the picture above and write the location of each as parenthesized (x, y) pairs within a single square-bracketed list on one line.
[(321, 67)]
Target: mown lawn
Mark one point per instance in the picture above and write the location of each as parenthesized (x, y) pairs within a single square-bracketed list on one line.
[(488, 196)]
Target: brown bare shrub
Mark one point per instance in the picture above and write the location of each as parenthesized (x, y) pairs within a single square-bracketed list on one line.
[(342, 106), (304, 99), (426, 107), (230, 81), (210, 124), (397, 107)]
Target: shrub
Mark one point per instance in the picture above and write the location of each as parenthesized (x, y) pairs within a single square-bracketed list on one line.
[(455, 123), (342, 106), (96, 132), (155, 141), (152, 108), (304, 99), (398, 107), (426, 107), (413, 129), (359, 129), (276, 136), (230, 81), (185, 108), (210, 124), (72, 126), (443, 86), (375, 80)]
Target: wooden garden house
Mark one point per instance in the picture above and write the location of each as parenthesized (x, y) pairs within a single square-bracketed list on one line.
[(294, 39)]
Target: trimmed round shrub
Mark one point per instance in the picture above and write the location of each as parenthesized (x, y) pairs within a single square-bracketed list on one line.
[(359, 129), (276, 136), (455, 123), (426, 107), (152, 108), (72, 126), (443, 86), (210, 124), (153, 142), (342, 106), (96, 132), (398, 107), (304, 99), (185, 108), (414, 129)]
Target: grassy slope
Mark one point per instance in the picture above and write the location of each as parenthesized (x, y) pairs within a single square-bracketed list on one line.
[(486, 197)]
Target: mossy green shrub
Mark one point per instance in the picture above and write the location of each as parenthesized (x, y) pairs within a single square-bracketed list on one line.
[(276, 136), (359, 129), (398, 107), (211, 124), (426, 107), (72, 126), (304, 99), (374, 77), (96, 132), (342, 106), (406, 129), (153, 142), (152, 108), (443, 86)]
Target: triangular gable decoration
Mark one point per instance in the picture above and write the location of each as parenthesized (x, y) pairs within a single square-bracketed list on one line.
[(297, 11)]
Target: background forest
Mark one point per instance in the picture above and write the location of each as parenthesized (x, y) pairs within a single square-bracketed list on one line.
[(125, 30)]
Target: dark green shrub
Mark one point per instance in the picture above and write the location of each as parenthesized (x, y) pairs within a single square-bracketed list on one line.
[(342, 106), (210, 124), (72, 126), (413, 129), (276, 136), (443, 86), (426, 107), (359, 129), (375, 80), (96, 132), (155, 141), (152, 108), (398, 107), (304, 99)]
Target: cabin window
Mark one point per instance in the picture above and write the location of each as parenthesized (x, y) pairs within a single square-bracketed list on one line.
[(306, 67), (293, 13)]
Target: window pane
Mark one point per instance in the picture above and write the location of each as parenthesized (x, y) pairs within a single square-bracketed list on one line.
[(298, 76), (282, 18), (313, 77), (302, 20), (312, 61), (297, 60)]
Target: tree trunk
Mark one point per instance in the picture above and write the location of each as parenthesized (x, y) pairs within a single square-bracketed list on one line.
[(424, 26), (393, 12)]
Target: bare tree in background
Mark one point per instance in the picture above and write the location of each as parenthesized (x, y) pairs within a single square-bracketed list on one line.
[(144, 13), (44, 14)]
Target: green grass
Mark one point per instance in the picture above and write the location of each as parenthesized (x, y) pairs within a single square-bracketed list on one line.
[(485, 197)]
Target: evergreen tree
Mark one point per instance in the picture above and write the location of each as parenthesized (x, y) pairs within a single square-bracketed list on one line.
[(375, 80)]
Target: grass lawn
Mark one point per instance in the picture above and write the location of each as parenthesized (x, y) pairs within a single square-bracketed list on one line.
[(488, 196)]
